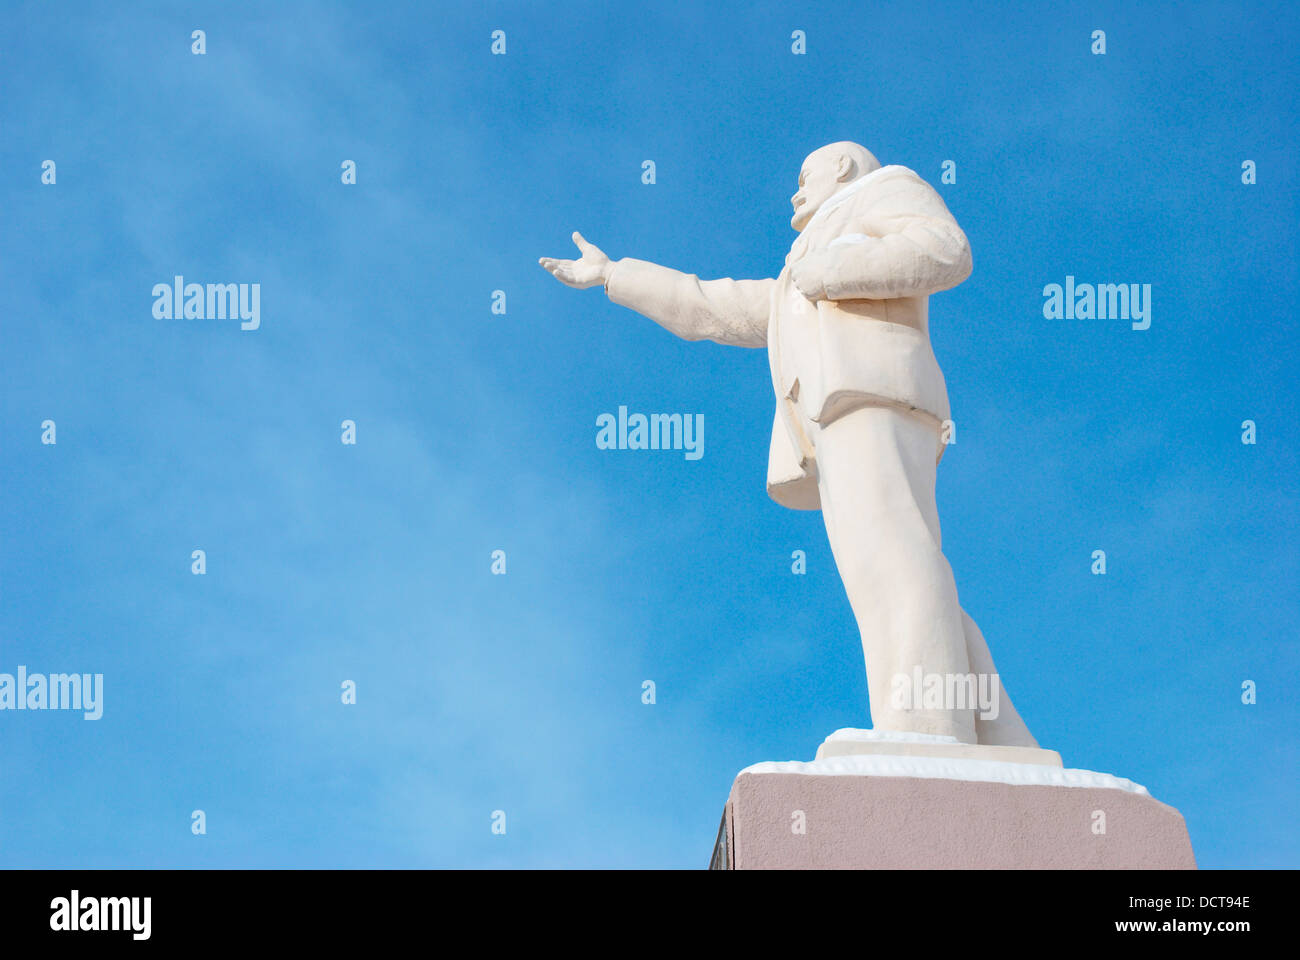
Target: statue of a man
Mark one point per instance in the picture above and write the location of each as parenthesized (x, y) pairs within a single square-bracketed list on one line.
[(860, 409)]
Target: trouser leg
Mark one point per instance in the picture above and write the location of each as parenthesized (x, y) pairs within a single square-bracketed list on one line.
[(876, 476), (1005, 729)]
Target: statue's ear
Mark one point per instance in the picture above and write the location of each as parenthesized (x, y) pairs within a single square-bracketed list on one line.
[(843, 167)]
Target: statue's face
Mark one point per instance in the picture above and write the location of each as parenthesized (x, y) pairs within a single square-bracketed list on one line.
[(821, 176)]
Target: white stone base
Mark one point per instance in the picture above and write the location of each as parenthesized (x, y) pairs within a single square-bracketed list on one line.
[(848, 742)]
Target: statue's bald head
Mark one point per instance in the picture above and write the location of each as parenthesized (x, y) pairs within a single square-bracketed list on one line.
[(825, 171)]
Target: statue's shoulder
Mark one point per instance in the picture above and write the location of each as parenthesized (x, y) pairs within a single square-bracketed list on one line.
[(897, 170), (894, 177), (896, 186)]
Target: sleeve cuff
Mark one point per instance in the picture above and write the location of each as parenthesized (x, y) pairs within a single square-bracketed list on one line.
[(609, 276)]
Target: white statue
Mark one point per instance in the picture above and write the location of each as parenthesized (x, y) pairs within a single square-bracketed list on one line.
[(860, 408)]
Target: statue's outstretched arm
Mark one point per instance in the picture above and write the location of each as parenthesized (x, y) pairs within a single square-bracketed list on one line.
[(733, 312)]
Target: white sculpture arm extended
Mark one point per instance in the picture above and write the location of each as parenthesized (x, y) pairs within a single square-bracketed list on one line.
[(910, 247), (731, 312)]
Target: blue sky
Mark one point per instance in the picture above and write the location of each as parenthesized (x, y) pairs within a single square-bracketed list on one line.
[(476, 431)]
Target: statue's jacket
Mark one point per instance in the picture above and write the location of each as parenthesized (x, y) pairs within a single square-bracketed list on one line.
[(871, 255)]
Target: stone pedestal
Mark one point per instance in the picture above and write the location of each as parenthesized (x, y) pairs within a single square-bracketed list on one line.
[(849, 742), (962, 809)]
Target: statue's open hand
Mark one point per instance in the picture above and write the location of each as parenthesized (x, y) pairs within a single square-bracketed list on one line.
[(590, 270)]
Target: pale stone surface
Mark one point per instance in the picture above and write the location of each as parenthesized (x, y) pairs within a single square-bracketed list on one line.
[(849, 742), (950, 776), (860, 408), (967, 769), (891, 822)]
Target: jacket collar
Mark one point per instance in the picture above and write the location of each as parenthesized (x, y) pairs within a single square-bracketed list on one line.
[(840, 196)]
